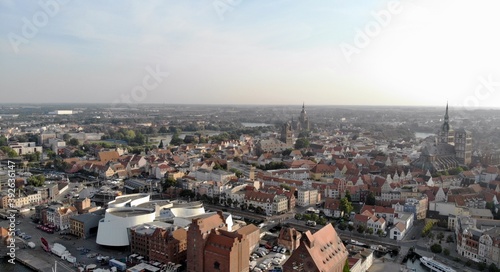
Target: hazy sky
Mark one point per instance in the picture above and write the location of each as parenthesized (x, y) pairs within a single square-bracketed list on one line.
[(337, 52)]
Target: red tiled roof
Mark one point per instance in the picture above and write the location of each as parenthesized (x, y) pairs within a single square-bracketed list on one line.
[(321, 251)]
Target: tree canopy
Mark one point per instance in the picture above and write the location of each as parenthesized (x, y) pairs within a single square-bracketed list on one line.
[(345, 206), (302, 143), (370, 199), (36, 180)]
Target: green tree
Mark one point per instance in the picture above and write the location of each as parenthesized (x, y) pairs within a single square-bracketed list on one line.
[(348, 195), (361, 229), (161, 144), (346, 266), (79, 153), (321, 221), (163, 130), (370, 199), (36, 180), (130, 134), (446, 252), (449, 239), (302, 143), (285, 186), (66, 137), (436, 248), (51, 154), (455, 171), (286, 152), (139, 138), (440, 236), (492, 268), (187, 193), (237, 172), (350, 227), (343, 226), (32, 157), (259, 210), (74, 142), (169, 182), (176, 140), (9, 151), (3, 140), (482, 266), (345, 206)]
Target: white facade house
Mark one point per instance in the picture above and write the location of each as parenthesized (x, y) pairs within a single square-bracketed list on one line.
[(215, 175), (402, 223), (26, 148), (307, 197), (56, 144), (32, 199)]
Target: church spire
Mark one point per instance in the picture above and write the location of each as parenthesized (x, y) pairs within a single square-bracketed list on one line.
[(446, 113), (446, 124)]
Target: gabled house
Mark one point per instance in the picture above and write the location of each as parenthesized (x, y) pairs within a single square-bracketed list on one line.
[(332, 208), (379, 211)]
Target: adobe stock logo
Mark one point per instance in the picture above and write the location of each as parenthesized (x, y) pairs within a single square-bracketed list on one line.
[(483, 91), (40, 19), (151, 81), (372, 29), (223, 6)]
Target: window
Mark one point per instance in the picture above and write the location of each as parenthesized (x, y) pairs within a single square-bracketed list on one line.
[(217, 265)]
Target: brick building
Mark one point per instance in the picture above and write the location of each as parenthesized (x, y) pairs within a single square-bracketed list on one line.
[(321, 251), (289, 238), (211, 247), (159, 242), (226, 251), (197, 236)]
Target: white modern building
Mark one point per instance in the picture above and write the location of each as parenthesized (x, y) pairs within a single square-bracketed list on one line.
[(113, 227), (134, 209), (61, 112)]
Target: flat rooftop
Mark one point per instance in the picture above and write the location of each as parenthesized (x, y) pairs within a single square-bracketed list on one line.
[(149, 228)]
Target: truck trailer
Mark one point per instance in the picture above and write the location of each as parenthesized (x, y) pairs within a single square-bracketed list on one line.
[(119, 265)]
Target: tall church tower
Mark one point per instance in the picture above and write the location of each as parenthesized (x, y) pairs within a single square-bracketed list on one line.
[(287, 134), (446, 135), (303, 120), (463, 146)]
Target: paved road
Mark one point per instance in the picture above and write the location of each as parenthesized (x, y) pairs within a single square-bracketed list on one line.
[(28, 227)]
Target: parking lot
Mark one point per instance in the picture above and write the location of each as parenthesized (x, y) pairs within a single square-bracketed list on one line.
[(86, 251), (263, 259)]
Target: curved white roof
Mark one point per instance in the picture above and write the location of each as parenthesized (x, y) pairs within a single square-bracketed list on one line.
[(113, 227)]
